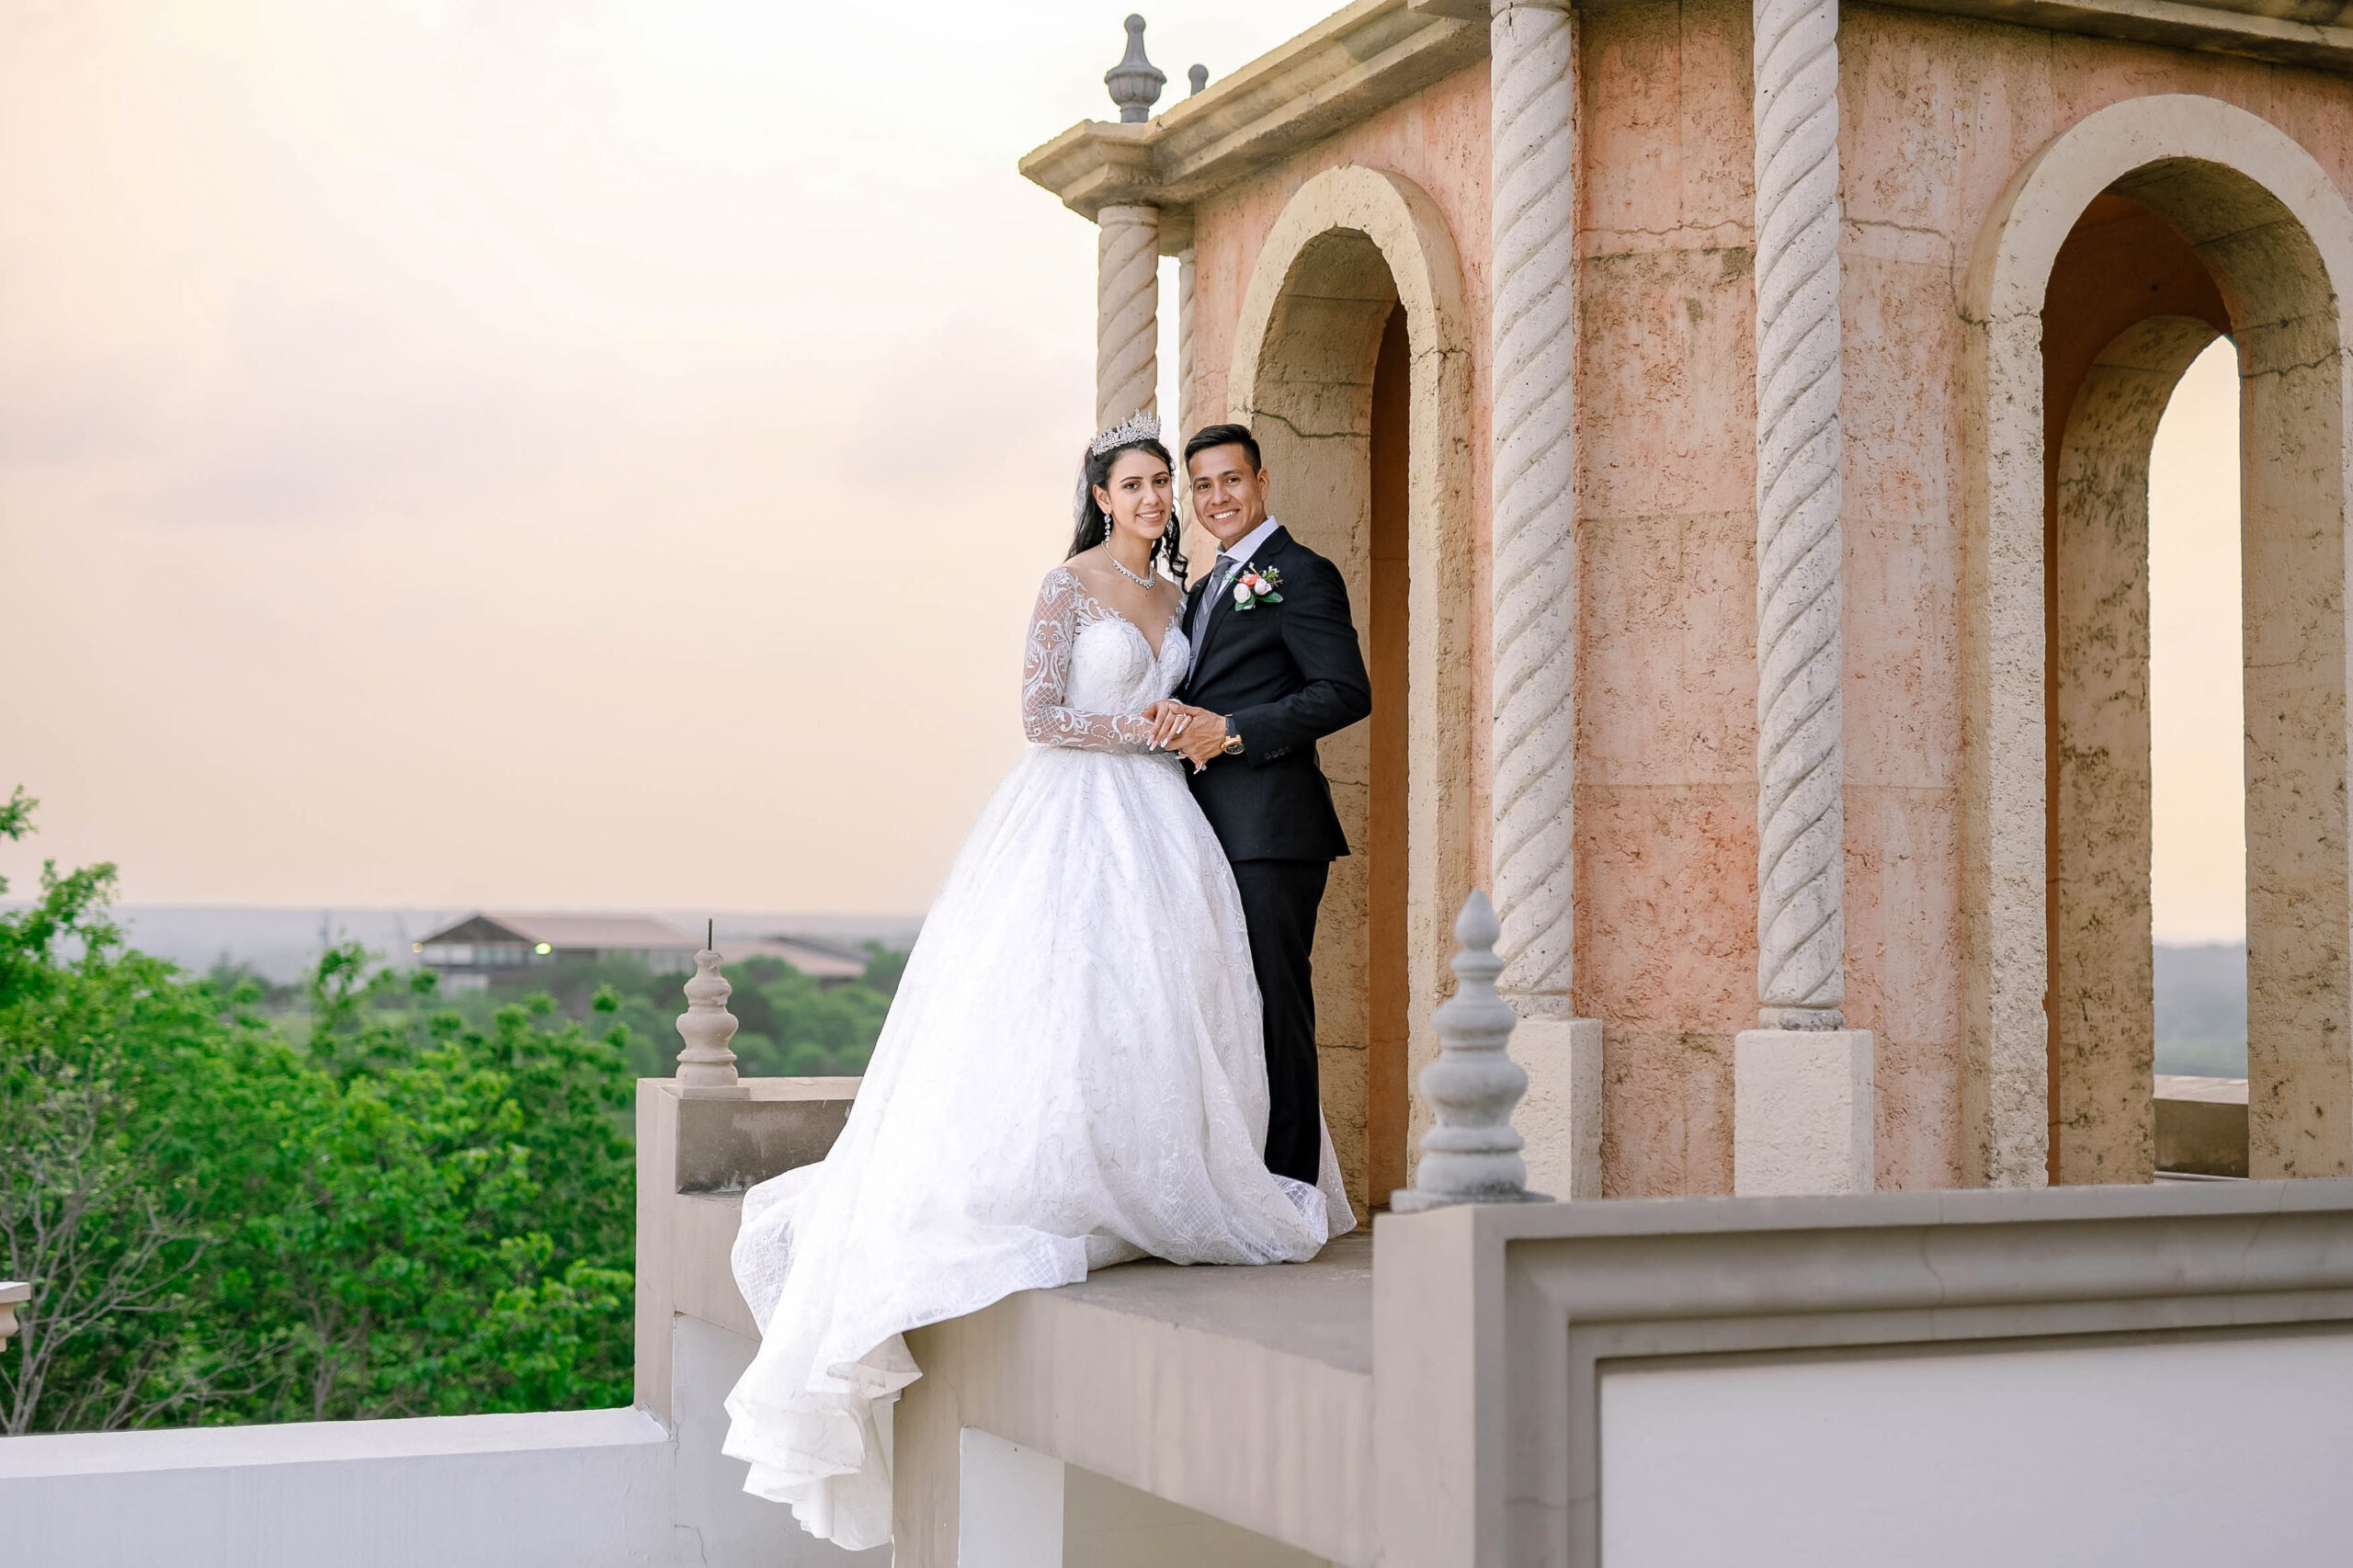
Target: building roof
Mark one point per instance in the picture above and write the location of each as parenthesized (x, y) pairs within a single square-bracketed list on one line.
[(577, 931), (815, 959), (638, 933)]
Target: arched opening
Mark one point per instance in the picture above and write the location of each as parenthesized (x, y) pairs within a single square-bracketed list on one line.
[(2130, 306), (2196, 702), (2117, 254), (1349, 364), (1327, 425), (1387, 620)]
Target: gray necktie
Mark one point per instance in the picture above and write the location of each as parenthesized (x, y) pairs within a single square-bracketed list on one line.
[(1228, 568)]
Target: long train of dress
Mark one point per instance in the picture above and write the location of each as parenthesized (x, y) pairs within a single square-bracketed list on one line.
[(1071, 1075)]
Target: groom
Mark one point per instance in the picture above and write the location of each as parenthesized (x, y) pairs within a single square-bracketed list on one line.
[(1275, 668)]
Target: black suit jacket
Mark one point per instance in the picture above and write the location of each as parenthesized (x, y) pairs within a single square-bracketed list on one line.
[(1285, 676)]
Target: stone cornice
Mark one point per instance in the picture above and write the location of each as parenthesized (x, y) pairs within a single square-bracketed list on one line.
[(1367, 56), (2286, 32), (1349, 66)]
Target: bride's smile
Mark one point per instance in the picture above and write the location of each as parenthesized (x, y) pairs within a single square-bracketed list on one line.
[(1138, 496)]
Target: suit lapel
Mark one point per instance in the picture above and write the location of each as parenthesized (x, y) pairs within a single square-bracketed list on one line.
[(1263, 556)]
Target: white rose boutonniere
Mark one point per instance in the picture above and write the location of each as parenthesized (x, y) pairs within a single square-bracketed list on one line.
[(1255, 587)]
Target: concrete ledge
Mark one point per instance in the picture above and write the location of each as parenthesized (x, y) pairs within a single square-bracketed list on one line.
[(319, 1442), (1242, 1393), (583, 1488), (702, 1273), (2201, 1125), (1493, 1325), (695, 1157), (785, 1123)]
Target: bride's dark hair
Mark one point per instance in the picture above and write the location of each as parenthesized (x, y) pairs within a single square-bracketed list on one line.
[(1094, 524)]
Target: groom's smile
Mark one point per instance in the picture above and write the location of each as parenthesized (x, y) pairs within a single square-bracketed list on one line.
[(1229, 491)]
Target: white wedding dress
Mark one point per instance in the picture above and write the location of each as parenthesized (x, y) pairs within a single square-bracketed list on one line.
[(1071, 1077)]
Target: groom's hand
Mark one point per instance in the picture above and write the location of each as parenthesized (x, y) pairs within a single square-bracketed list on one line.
[(1202, 738)]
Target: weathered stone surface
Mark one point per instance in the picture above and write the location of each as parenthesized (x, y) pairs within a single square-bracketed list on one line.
[(1802, 1112), (1944, 735)]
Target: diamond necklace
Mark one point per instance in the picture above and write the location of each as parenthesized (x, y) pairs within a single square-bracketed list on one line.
[(1120, 566)]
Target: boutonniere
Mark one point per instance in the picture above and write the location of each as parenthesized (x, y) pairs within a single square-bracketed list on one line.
[(1254, 586)]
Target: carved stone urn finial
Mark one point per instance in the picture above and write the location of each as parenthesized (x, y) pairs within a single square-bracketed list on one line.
[(1472, 1155), (706, 1067), (1135, 82), (1199, 77)]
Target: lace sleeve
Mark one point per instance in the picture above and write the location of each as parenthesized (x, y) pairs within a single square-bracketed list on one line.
[(1045, 679)]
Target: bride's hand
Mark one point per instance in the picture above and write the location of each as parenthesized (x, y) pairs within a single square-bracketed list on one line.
[(1168, 718)]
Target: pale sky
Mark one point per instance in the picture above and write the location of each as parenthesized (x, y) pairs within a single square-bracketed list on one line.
[(539, 452), (2197, 700), (600, 455)]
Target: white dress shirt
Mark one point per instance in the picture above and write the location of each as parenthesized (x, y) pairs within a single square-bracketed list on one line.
[(1229, 562)]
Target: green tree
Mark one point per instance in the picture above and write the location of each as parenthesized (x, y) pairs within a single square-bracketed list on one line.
[(789, 1024), (401, 1213)]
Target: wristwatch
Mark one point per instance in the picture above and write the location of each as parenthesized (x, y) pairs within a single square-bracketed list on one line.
[(1233, 746)]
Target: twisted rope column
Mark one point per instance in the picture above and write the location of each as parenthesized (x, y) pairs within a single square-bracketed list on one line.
[(1185, 399), (1800, 925), (1127, 313), (1532, 75), (1533, 67)]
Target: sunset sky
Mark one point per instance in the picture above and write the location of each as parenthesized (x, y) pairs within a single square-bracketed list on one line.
[(600, 455)]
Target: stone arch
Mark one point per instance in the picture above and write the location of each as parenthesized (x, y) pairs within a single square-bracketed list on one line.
[(2102, 1011), (1353, 245), (2277, 238)]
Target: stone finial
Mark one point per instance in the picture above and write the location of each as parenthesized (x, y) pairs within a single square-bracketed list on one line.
[(1199, 75), (13, 1294), (706, 1067), (1472, 1155), (1135, 82)]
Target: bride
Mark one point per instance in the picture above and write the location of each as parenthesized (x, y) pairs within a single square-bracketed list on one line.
[(1071, 1075)]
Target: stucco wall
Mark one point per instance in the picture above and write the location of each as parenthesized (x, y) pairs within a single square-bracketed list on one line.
[(1438, 139), (1666, 707), (1938, 114)]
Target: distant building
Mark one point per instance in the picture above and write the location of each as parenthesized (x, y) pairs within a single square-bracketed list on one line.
[(484, 944)]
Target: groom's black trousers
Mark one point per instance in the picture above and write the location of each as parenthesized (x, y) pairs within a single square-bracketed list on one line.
[(1280, 900)]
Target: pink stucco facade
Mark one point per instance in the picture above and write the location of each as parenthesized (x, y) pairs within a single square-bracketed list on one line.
[(1940, 113), (1438, 139)]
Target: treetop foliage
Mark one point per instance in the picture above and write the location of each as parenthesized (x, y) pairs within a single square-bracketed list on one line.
[(400, 1213), (375, 1201)]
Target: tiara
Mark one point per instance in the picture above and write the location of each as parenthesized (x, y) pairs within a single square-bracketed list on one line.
[(1143, 426)]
